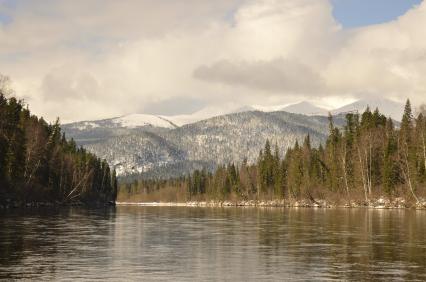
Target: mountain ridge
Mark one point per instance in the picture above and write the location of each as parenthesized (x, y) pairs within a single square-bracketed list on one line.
[(147, 144), (214, 141), (306, 108), (386, 106)]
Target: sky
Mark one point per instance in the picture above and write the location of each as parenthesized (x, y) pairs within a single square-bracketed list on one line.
[(92, 59), (357, 13)]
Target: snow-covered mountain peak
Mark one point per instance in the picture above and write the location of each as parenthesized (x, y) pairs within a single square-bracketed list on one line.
[(130, 146), (305, 108), (385, 106), (140, 120)]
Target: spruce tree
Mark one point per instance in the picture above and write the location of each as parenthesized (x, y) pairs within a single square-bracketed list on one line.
[(390, 169)]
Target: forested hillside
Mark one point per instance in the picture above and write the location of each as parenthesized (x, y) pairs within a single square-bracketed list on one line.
[(38, 164), (153, 152), (367, 159)]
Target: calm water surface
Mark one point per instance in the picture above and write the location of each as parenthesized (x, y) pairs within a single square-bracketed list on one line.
[(179, 243)]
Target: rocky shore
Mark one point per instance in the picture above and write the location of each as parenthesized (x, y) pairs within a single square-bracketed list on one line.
[(380, 203)]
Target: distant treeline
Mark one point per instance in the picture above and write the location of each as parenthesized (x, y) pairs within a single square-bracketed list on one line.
[(37, 163), (367, 158)]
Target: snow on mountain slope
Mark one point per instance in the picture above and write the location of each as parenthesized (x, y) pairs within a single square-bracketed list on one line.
[(385, 106), (128, 121), (217, 140), (90, 132), (180, 120), (233, 137), (139, 120), (157, 146), (305, 108), (86, 125), (137, 153), (206, 113), (135, 121)]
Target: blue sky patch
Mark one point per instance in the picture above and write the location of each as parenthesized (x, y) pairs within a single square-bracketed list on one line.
[(5, 19), (357, 13)]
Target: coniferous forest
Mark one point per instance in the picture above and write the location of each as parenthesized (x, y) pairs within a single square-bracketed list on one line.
[(372, 156), (38, 165)]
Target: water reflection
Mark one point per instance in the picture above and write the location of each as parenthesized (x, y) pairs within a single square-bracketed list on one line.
[(177, 243)]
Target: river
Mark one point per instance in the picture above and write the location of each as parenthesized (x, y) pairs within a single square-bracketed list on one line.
[(210, 244)]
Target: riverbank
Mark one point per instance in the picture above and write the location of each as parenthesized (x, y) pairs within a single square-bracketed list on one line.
[(18, 205), (380, 203)]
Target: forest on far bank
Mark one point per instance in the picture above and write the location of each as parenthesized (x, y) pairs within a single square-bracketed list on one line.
[(369, 157), (38, 164)]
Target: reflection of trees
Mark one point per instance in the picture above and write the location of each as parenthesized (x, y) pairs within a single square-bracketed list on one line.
[(356, 244), (22, 234), (345, 244), (11, 243), (42, 241)]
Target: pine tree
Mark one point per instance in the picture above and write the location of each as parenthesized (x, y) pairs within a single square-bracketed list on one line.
[(407, 119)]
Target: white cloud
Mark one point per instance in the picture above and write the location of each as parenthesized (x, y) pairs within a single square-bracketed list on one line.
[(278, 75), (92, 59)]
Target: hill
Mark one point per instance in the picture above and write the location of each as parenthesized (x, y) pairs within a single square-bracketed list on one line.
[(207, 143)]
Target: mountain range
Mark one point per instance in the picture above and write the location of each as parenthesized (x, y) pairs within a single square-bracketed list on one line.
[(387, 107), (161, 146)]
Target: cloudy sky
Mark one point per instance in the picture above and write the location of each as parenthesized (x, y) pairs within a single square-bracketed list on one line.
[(93, 59)]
